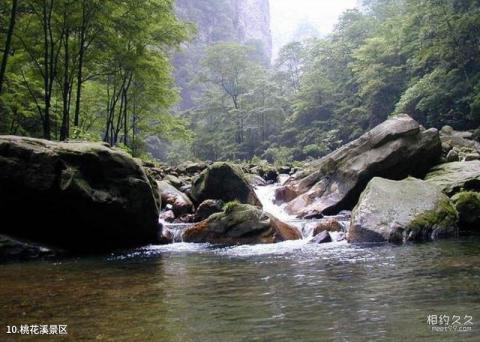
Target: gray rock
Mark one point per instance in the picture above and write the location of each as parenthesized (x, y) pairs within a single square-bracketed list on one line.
[(173, 180), (455, 177), (400, 211), (241, 224), (77, 196), (397, 148), (453, 156), (471, 156), (180, 202), (15, 250), (324, 225), (468, 208), (192, 168), (255, 180), (223, 181), (458, 140), (167, 216), (323, 237), (207, 208), (283, 194)]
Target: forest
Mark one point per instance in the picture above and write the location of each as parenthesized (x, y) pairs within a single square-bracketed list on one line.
[(89, 70), (102, 71)]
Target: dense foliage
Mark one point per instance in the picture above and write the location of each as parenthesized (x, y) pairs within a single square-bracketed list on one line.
[(391, 56), (101, 70), (89, 69)]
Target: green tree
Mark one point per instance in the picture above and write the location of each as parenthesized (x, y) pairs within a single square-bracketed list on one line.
[(8, 42)]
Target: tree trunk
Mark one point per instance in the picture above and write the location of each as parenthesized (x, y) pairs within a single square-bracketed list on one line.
[(134, 118), (11, 27), (125, 121), (81, 56), (65, 129)]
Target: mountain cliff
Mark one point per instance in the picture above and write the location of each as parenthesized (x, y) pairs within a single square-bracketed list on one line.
[(241, 21), (253, 23)]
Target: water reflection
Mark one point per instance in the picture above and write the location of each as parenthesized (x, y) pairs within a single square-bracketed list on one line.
[(294, 290)]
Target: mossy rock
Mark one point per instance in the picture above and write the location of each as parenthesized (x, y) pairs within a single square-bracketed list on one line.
[(456, 177), (401, 211), (440, 222), (467, 205), (223, 181), (240, 224), (82, 197)]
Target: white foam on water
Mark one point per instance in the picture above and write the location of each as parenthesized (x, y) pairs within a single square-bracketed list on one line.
[(280, 248), (266, 196)]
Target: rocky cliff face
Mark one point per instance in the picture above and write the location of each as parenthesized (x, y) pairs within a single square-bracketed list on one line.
[(242, 21), (253, 23)]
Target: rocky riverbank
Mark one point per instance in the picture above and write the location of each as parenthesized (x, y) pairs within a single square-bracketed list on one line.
[(400, 181)]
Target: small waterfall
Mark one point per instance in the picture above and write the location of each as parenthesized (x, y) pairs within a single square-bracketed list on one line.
[(266, 195), (175, 230)]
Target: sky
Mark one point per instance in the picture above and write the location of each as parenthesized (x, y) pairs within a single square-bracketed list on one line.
[(286, 15)]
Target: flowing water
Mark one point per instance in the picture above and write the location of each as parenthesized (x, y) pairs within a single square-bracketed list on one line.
[(283, 292)]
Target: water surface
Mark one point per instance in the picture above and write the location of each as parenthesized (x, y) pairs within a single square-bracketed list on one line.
[(289, 291)]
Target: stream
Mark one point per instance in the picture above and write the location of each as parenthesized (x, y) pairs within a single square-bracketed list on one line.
[(290, 290)]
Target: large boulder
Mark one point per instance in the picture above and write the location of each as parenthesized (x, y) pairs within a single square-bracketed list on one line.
[(181, 204), (400, 211), (241, 224), (455, 177), (78, 196), (223, 181), (397, 148)]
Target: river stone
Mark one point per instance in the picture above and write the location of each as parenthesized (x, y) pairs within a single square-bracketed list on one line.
[(456, 176), (181, 204), (77, 196), (255, 180), (284, 194), (15, 250), (400, 211), (167, 216), (208, 208), (458, 140), (325, 225), (192, 168), (453, 156), (397, 148), (223, 181), (241, 224), (468, 208), (323, 237), (175, 181)]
